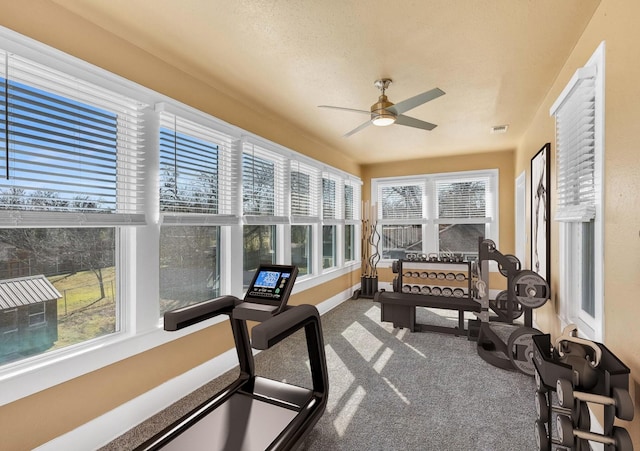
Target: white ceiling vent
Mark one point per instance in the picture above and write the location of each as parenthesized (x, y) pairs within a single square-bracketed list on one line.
[(499, 129)]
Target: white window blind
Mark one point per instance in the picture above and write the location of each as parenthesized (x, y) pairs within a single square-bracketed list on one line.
[(68, 148), (400, 201), (196, 170), (575, 148), (352, 200), (463, 198), (304, 190), (332, 201), (263, 183)]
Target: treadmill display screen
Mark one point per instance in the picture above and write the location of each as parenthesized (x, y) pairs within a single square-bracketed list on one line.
[(269, 284)]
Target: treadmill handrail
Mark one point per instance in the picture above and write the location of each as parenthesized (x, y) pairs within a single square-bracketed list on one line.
[(279, 327), (186, 316)]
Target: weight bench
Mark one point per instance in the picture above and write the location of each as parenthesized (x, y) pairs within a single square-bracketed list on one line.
[(400, 309)]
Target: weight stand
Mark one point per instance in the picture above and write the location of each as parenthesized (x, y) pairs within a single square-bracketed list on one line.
[(516, 352), (612, 375)]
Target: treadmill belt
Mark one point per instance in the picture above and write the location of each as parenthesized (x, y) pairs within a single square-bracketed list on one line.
[(242, 423)]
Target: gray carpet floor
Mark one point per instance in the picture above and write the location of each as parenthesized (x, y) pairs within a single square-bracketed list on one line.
[(390, 389)]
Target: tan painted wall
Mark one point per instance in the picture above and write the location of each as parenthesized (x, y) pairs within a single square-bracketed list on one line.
[(503, 161), (616, 22)]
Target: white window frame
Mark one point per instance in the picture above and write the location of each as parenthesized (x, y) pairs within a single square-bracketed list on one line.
[(570, 243), (429, 220), (140, 327)]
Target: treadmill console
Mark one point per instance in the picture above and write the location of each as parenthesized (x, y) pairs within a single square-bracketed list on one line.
[(271, 286)]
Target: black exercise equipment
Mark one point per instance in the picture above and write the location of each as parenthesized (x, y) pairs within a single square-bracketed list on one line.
[(525, 290), (253, 413), (579, 371), (442, 282)]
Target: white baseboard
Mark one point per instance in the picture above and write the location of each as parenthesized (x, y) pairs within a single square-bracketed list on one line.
[(105, 428)]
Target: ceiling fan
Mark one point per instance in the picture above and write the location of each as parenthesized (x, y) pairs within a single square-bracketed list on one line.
[(385, 113)]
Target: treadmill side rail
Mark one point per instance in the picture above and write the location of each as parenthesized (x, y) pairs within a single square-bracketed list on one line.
[(192, 314), (279, 327)]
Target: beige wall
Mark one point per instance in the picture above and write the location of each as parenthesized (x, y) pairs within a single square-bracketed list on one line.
[(61, 408), (616, 22), (503, 161)]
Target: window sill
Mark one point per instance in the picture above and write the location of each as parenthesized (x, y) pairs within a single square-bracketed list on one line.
[(31, 375)]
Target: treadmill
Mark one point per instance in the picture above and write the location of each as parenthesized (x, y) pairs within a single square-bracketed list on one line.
[(253, 413)]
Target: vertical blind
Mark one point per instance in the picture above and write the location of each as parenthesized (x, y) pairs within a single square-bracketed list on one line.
[(575, 148), (67, 146), (196, 168)]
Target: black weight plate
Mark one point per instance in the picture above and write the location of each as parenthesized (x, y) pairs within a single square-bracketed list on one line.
[(520, 349), (542, 439), (542, 407), (511, 258), (530, 288), (395, 266), (501, 303)]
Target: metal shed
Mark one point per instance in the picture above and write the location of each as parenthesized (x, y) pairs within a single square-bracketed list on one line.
[(28, 316)]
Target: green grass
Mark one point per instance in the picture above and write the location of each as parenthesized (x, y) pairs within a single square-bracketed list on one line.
[(82, 313)]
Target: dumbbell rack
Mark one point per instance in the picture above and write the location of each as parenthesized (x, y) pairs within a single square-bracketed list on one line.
[(549, 369), (435, 282)]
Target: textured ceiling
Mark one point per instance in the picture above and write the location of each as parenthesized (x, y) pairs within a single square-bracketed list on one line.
[(495, 59)]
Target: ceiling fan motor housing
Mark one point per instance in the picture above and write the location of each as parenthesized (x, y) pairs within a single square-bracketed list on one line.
[(379, 113)]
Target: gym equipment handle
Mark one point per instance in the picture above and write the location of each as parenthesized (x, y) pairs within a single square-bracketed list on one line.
[(192, 314), (279, 327), (568, 335)]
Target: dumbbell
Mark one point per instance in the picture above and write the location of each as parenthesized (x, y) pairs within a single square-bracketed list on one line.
[(567, 434), (542, 439), (580, 414), (620, 399)]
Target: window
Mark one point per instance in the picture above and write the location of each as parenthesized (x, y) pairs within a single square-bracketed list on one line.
[(195, 195), (302, 249), (331, 216), (462, 213), (259, 248), (36, 314), (263, 188), (439, 213), (262, 182), (70, 191), (352, 219), (305, 208), (579, 119), (129, 210), (400, 209), (328, 246), (304, 191)]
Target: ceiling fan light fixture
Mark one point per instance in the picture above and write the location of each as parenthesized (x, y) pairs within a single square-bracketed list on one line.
[(380, 116), (383, 119)]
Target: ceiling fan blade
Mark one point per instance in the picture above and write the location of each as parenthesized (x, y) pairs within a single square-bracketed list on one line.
[(344, 109), (357, 129), (412, 102), (413, 122)]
